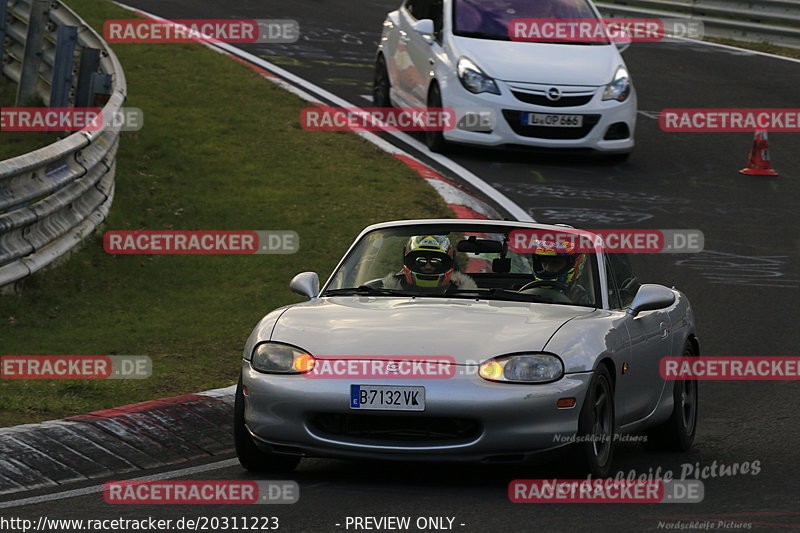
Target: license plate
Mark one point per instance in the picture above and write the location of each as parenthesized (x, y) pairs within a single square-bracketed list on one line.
[(552, 121), (387, 398)]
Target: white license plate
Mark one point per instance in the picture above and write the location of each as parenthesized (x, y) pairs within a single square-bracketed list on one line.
[(552, 121), (387, 398)]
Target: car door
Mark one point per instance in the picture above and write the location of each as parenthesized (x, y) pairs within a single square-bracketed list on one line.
[(422, 48), (640, 383), (411, 59)]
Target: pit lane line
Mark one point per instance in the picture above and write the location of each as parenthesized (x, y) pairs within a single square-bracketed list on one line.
[(171, 474)]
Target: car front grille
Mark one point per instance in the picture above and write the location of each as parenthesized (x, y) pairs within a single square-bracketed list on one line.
[(564, 101), (397, 429), (514, 119)]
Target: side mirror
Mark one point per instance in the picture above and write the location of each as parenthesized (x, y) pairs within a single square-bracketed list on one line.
[(305, 284), (423, 26), (650, 297)]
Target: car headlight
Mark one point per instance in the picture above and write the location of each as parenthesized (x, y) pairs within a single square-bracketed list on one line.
[(620, 86), (473, 79), (523, 368), (277, 358)]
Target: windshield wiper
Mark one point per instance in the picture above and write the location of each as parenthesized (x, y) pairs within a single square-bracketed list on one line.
[(579, 43), (497, 294), (366, 290), (482, 35)]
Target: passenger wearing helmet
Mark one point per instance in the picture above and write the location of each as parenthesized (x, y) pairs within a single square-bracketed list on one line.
[(429, 264)]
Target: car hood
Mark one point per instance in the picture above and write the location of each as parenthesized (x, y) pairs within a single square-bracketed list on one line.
[(469, 331), (550, 64)]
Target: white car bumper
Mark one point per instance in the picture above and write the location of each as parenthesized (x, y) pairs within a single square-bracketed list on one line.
[(608, 126)]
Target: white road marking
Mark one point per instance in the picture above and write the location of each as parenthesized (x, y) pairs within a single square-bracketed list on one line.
[(172, 474), (650, 114), (219, 393), (729, 47)]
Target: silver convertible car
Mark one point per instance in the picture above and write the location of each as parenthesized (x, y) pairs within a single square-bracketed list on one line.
[(467, 340)]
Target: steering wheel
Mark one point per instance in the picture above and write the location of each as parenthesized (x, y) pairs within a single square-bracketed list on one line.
[(563, 287)]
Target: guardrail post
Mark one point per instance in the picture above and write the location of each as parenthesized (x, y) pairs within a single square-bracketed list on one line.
[(32, 56), (3, 11), (100, 89), (62, 68), (90, 65), (44, 219)]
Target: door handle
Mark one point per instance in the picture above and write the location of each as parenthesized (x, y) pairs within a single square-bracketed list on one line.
[(404, 36)]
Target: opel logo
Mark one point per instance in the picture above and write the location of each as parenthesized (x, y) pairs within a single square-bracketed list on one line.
[(553, 94)]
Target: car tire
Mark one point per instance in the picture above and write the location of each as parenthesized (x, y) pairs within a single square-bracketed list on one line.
[(250, 457), (594, 451), (381, 85), (677, 433), (435, 139)]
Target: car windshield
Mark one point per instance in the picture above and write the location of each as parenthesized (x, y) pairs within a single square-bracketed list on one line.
[(464, 261), (490, 19)]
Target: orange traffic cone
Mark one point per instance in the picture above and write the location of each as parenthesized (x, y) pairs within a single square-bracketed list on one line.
[(758, 164)]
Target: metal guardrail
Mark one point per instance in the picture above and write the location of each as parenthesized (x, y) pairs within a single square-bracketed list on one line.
[(53, 198), (771, 21)]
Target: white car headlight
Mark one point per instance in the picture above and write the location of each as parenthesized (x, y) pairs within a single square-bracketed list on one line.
[(523, 368), (620, 86), (473, 79), (277, 358)]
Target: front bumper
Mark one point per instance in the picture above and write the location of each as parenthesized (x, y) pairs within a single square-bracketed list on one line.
[(508, 421), (599, 118)]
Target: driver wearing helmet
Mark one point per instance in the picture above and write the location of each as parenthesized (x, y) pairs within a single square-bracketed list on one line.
[(557, 262), (429, 263)]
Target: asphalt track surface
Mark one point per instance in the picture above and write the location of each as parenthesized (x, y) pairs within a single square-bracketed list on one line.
[(744, 288)]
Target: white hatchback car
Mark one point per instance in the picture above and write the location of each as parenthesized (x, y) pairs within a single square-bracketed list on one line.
[(459, 54)]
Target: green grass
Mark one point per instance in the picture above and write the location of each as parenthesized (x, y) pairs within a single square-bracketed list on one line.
[(221, 149), (14, 143)]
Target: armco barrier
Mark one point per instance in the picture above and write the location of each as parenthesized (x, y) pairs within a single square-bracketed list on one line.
[(771, 21), (53, 198)]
